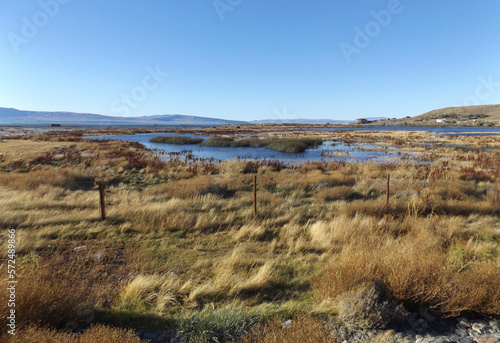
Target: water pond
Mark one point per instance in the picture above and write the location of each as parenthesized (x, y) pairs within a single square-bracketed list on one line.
[(328, 151)]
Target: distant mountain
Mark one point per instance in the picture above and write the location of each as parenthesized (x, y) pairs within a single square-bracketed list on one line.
[(11, 115), (303, 121)]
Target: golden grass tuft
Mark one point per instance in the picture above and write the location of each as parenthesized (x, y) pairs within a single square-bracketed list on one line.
[(150, 293)]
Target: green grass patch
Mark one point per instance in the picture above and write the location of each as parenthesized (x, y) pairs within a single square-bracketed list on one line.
[(221, 325), (219, 142), (287, 145), (176, 140)]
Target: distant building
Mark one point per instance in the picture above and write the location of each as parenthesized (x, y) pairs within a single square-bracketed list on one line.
[(441, 120), (363, 121)]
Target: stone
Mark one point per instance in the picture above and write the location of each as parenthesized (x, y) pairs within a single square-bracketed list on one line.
[(465, 340), (463, 322), (426, 314), (287, 324), (82, 248), (486, 339), (432, 340), (479, 327), (461, 332), (399, 336), (495, 325), (473, 333)]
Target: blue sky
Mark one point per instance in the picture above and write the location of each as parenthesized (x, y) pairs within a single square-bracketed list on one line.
[(249, 59)]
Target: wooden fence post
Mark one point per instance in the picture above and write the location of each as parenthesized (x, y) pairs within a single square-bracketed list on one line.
[(255, 195), (388, 190), (103, 204)]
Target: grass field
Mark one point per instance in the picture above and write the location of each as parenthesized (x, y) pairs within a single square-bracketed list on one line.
[(182, 249)]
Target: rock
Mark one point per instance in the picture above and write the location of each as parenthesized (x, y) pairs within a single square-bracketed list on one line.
[(463, 322), (479, 327), (426, 314), (287, 324), (461, 332), (465, 340), (486, 339), (82, 248), (495, 325), (399, 337)]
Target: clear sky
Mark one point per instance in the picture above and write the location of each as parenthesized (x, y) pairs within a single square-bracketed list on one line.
[(249, 59)]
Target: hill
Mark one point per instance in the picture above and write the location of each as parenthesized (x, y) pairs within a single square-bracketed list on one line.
[(462, 115), (481, 113), (11, 115)]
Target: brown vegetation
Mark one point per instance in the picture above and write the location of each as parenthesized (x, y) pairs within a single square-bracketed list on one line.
[(181, 242)]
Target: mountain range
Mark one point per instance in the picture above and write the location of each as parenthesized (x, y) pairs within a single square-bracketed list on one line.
[(483, 113), (14, 116)]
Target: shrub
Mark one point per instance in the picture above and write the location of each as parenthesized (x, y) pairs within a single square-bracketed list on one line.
[(370, 307)]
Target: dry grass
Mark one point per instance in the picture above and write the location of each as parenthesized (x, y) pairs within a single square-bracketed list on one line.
[(424, 267), (302, 330), (182, 240), (96, 334), (60, 289)]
